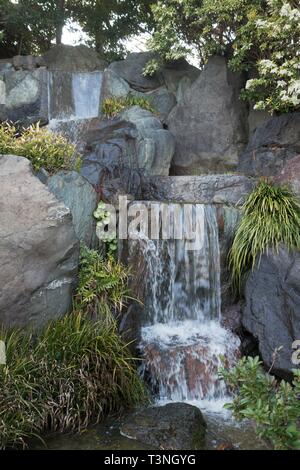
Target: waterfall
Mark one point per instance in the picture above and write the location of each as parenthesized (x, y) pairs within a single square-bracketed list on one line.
[(74, 95), (182, 340)]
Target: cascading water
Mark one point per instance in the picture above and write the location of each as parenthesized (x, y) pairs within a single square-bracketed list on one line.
[(183, 339), (74, 99)]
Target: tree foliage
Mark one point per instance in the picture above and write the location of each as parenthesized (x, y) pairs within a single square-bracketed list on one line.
[(31, 26), (258, 35)]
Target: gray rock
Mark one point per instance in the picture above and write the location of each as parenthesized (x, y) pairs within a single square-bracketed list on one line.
[(206, 189), (73, 59), (290, 175), (25, 96), (81, 198), (175, 426), (272, 311), (113, 85), (162, 100), (272, 144), (117, 151), (210, 123), (177, 72), (131, 70), (5, 65), (155, 145), (38, 248), (27, 62), (256, 118), (110, 161)]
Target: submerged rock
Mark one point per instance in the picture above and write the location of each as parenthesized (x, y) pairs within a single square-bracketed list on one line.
[(38, 248), (175, 426)]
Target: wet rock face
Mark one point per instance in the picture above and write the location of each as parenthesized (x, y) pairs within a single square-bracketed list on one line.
[(273, 143), (192, 367), (175, 426), (272, 312), (210, 123), (38, 248)]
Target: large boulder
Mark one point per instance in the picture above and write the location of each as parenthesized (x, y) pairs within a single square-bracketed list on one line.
[(110, 161), (117, 151), (175, 426), (272, 311), (24, 96), (73, 59), (272, 144), (210, 123), (171, 74), (131, 70), (155, 145), (81, 198), (38, 248)]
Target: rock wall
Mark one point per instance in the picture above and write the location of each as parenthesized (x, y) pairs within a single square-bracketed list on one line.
[(38, 248)]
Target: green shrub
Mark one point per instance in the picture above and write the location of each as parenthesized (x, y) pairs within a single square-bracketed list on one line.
[(271, 216), (76, 369), (43, 148), (274, 407), (111, 107), (102, 283)]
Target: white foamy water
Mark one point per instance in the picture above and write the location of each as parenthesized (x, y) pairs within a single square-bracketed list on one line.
[(183, 341)]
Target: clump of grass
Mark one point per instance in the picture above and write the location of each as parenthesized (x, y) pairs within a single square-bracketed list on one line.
[(43, 148), (271, 216), (111, 107), (75, 370)]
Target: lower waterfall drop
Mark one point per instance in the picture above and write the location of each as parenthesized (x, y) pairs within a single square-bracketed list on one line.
[(183, 340)]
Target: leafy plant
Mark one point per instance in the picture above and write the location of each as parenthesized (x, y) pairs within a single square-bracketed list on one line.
[(102, 283), (76, 369), (273, 407), (111, 107), (102, 216), (271, 216), (43, 148)]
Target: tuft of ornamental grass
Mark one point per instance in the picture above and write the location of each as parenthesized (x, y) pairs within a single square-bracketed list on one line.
[(70, 375), (271, 217), (43, 148), (75, 370), (111, 107)]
